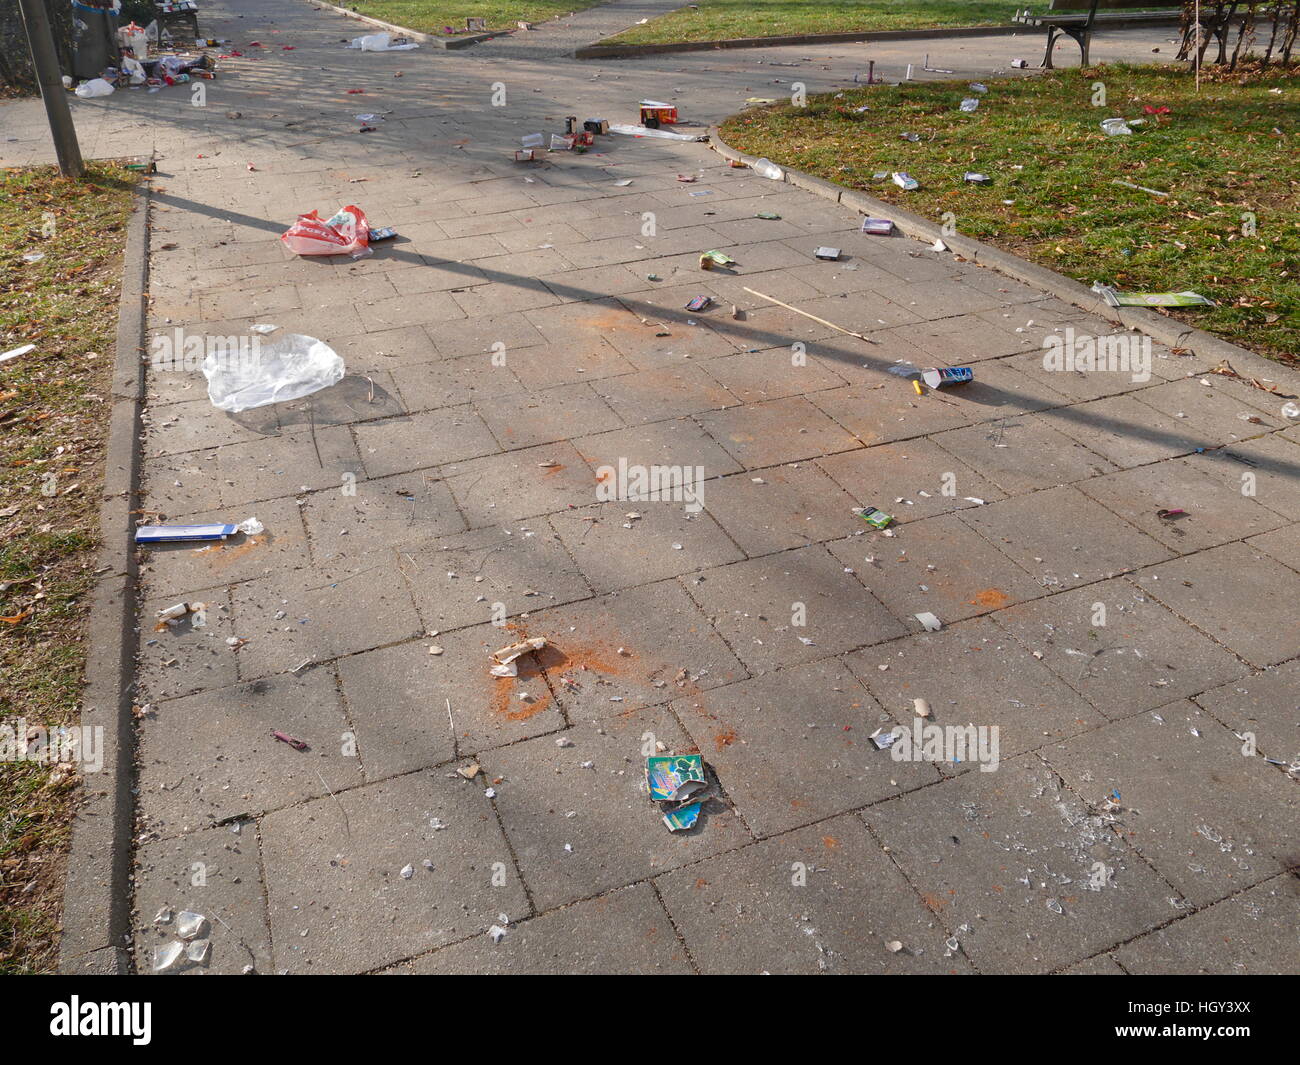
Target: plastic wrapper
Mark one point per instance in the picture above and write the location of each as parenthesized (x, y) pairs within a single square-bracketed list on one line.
[(290, 368)]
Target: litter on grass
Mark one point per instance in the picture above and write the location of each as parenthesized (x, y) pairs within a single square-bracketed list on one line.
[(1115, 298)]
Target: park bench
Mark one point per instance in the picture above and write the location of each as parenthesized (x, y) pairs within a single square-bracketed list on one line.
[(1079, 25)]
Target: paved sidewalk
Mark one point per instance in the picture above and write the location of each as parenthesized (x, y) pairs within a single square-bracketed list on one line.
[(507, 348)]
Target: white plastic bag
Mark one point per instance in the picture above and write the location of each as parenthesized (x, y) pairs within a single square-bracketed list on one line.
[(134, 69), (380, 42), (289, 368), (89, 90)]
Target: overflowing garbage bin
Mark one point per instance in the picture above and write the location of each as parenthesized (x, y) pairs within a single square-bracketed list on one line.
[(94, 43)]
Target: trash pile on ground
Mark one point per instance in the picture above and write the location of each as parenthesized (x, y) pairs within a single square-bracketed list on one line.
[(109, 57)]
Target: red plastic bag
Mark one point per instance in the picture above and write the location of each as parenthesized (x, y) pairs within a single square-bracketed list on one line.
[(347, 233)]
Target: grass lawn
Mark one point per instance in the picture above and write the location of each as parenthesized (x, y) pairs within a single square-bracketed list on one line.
[(1230, 151), (54, 420), (714, 20), (430, 16)]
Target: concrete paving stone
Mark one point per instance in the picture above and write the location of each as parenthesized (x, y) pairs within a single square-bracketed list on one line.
[(665, 541), (476, 336), (520, 484), (579, 818), (754, 606), (938, 565), (229, 894), (1079, 385), (177, 484), (547, 366), (784, 285), (191, 655), (581, 285), (418, 441), (865, 311), (433, 308), (1101, 965), (358, 288), (1274, 463), (881, 411), (995, 684), (618, 324), (926, 300), (773, 374), (767, 325), (680, 442), (499, 573), (398, 697), (1251, 933), (364, 394), (1024, 455), (634, 248), (1237, 595), (1283, 544), (1119, 647), (218, 757), (620, 933), (427, 276), (353, 525), (174, 428), (789, 506), (779, 430), (517, 266), (1028, 530), (1209, 490), (855, 275), (824, 899), (177, 568), (299, 462), (389, 347), (462, 249), (338, 902), (326, 611), (553, 414), (515, 294), (453, 382), (662, 394), (1219, 411), (636, 647), (1171, 769), (792, 747), (1124, 431), (989, 280), (967, 338), (886, 476), (1021, 846)]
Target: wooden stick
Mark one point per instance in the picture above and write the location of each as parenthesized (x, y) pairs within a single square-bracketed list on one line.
[(820, 321)]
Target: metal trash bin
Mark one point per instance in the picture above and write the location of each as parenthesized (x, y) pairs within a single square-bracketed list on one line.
[(94, 41)]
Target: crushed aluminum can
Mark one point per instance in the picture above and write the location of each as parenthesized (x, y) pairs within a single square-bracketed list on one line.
[(699, 303), (905, 181)]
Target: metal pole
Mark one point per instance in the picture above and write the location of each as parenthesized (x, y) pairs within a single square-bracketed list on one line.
[(41, 41)]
